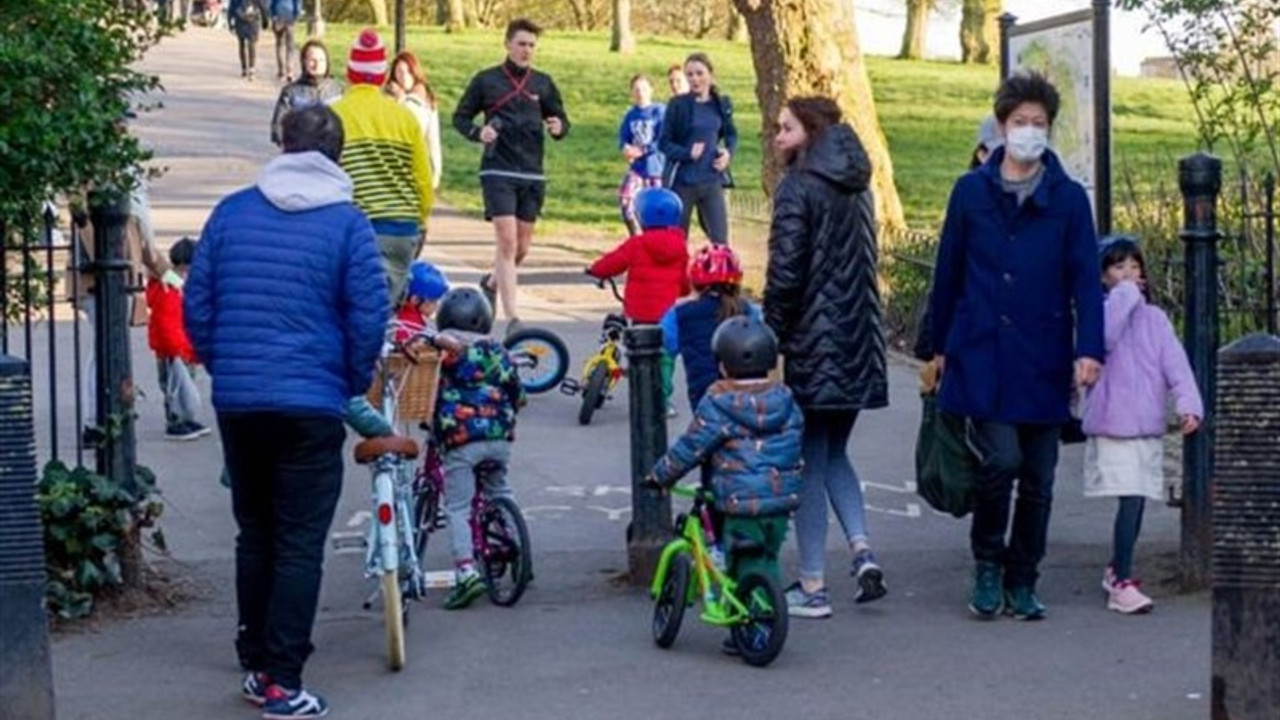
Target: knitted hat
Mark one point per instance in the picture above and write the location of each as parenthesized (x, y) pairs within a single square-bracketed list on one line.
[(368, 60)]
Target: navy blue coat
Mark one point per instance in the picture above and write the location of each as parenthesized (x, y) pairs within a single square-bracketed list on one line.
[(287, 306), (1017, 296)]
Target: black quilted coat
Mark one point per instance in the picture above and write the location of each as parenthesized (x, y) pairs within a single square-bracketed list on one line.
[(821, 296)]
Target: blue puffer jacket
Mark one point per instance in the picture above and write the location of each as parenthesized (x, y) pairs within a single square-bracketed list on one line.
[(751, 431), (286, 300)]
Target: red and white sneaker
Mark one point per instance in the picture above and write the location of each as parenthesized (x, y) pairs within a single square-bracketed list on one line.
[(1127, 599)]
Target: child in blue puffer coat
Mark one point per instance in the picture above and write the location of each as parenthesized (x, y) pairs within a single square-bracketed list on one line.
[(749, 427)]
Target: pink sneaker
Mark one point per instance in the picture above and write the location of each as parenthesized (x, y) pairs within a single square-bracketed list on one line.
[(1126, 598), (1108, 579)]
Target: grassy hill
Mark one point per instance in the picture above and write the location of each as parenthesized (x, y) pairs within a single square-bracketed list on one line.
[(929, 111)]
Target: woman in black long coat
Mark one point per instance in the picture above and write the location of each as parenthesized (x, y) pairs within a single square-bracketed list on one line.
[(822, 300)]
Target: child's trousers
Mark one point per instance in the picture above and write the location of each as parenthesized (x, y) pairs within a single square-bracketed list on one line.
[(768, 532), (460, 482)]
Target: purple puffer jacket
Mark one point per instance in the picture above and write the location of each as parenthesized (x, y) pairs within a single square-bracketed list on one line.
[(1145, 362)]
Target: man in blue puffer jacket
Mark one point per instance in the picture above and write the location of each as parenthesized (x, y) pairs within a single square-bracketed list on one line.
[(286, 303), (284, 15)]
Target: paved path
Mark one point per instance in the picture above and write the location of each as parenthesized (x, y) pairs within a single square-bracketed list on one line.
[(578, 645)]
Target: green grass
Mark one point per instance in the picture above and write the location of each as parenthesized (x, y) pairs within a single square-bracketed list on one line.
[(929, 111)]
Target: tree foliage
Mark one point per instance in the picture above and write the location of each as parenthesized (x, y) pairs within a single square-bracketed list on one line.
[(1227, 52), (69, 76)]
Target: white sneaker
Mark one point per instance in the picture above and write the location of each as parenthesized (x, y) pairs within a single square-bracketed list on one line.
[(1127, 599)]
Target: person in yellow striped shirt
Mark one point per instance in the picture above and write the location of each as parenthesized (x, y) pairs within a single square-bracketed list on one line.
[(386, 157)]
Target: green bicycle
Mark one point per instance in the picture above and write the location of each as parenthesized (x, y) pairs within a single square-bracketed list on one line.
[(753, 607)]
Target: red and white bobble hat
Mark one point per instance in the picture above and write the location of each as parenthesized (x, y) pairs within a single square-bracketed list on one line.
[(368, 60)]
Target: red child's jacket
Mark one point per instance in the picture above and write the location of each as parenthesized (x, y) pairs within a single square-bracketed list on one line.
[(165, 332), (657, 266)]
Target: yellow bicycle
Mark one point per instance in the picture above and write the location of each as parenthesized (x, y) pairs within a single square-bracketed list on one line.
[(602, 372)]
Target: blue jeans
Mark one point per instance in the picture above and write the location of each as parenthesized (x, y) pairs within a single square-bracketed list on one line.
[(460, 489), (828, 475), (1029, 455)]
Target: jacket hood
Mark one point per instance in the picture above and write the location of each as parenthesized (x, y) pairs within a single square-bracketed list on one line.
[(763, 405), (665, 245), (294, 182), (838, 158)]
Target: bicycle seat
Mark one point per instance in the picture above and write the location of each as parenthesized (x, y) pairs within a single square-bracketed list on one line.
[(745, 546), (367, 451)]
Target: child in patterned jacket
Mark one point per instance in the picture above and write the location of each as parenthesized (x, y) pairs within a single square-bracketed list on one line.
[(480, 393)]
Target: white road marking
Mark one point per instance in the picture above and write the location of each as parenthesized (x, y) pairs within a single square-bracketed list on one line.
[(906, 488), (613, 514), (358, 518)]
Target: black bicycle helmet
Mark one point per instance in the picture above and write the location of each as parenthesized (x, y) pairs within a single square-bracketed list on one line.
[(746, 347), (465, 309)]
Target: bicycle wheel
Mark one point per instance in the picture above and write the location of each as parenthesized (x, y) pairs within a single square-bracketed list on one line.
[(393, 616), (426, 507), (761, 637), (593, 393), (505, 556), (540, 357), (668, 609)]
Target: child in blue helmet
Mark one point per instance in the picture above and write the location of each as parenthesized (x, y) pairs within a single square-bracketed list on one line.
[(656, 263)]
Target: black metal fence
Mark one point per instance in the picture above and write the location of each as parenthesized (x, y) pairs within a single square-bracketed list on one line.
[(41, 301)]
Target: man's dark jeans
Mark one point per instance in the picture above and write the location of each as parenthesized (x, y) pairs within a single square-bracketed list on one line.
[(286, 476), (1029, 454)]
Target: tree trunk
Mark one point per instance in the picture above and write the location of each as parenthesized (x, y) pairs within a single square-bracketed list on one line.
[(380, 15), (810, 47), (442, 12), (623, 41), (917, 26), (737, 30), (455, 16), (980, 31)]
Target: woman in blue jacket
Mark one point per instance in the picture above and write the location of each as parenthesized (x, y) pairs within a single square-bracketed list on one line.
[(699, 141), (1016, 314)]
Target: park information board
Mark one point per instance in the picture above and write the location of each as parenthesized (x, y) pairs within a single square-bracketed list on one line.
[(1066, 49)]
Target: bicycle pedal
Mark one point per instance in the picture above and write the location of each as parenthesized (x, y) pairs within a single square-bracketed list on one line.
[(347, 543), (570, 387)]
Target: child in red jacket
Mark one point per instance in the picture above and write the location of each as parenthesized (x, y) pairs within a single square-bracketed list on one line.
[(657, 266), (656, 261), (175, 358)]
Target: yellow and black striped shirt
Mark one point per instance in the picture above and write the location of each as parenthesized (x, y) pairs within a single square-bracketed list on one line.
[(385, 155)]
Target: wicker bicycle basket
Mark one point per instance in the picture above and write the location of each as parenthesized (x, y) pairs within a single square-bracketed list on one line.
[(416, 384)]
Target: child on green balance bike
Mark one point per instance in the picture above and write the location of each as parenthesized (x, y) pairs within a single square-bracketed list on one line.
[(749, 428)]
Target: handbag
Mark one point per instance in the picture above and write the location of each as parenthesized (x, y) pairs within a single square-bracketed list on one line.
[(947, 459)]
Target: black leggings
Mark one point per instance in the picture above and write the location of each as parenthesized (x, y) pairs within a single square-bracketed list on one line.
[(248, 52), (1128, 525), (713, 212)]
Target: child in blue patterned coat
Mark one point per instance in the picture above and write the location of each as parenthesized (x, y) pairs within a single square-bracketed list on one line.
[(750, 428), (480, 394)]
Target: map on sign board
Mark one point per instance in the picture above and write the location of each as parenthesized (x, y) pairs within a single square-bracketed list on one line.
[(1063, 52)]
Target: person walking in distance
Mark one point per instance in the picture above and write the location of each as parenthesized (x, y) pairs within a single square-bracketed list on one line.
[(638, 140), (519, 105), (284, 15), (247, 20), (386, 157), (285, 269), (1016, 313), (314, 87)]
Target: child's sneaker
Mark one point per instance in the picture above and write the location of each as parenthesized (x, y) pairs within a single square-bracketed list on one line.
[(254, 688), (284, 704), (806, 604), (1126, 598), (1108, 579), (185, 431), (870, 577), (465, 591)]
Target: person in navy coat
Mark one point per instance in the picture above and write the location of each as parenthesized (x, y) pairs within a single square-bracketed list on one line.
[(1016, 309)]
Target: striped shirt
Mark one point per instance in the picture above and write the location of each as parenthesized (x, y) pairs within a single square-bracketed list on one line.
[(385, 155)]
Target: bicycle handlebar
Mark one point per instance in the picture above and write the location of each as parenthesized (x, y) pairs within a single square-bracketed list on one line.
[(613, 285)]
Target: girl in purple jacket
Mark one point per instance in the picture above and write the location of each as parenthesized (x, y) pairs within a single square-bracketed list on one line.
[(1124, 413)]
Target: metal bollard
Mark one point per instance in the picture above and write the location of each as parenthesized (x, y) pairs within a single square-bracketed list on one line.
[(1246, 532), (650, 527), (1200, 179), (26, 671), (116, 455)]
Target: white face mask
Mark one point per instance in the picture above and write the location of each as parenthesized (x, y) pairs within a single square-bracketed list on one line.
[(1026, 143)]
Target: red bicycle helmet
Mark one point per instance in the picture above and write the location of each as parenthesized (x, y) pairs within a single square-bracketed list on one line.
[(715, 265)]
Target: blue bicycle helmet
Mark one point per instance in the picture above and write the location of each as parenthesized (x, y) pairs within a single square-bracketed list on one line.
[(658, 208), (426, 282)]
